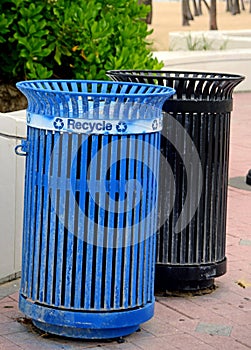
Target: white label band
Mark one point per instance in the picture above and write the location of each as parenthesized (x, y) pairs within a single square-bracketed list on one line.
[(94, 126)]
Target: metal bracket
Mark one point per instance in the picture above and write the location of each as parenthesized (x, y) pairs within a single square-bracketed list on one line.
[(22, 149)]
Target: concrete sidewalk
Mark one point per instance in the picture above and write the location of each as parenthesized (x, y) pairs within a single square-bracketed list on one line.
[(220, 320)]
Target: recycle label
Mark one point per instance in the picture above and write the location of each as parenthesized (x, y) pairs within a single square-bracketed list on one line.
[(94, 126)]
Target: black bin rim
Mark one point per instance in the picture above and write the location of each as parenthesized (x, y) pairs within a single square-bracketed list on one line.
[(196, 92), (181, 74)]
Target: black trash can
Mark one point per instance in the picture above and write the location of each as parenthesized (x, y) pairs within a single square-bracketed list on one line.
[(248, 177), (90, 206), (195, 142)]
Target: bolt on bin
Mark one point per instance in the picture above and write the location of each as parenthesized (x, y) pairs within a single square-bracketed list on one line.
[(90, 205), (193, 203)]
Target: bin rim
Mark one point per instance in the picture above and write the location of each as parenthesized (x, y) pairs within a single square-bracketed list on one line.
[(159, 90), (140, 72)]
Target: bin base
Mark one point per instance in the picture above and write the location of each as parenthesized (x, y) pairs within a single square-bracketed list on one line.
[(187, 278), (85, 325), (81, 333)]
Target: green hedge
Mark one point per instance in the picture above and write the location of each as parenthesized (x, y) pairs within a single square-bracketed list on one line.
[(78, 39)]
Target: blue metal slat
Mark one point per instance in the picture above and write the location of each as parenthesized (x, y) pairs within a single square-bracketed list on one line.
[(145, 224), (135, 247), (71, 223), (84, 87), (79, 282), (104, 87), (147, 207), (120, 221), (64, 140), (129, 222), (52, 221), (32, 222), (96, 108), (101, 226), (152, 241), (38, 218), (90, 225), (152, 210), (45, 220), (74, 106), (74, 86), (94, 87), (112, 166)]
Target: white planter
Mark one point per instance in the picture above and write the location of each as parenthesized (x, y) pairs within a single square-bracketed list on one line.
[(12, 168), (210, 40), (226, 61)]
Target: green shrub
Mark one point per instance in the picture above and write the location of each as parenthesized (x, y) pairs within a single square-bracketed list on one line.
[(78, 39)]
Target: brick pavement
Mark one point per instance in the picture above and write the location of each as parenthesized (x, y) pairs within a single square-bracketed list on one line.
[(220, 320)]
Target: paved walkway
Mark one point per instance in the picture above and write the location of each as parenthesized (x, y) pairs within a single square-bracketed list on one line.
[(220, 320)]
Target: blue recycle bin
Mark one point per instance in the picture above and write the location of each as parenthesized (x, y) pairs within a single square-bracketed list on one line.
[(90, 206)]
